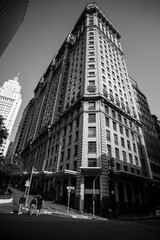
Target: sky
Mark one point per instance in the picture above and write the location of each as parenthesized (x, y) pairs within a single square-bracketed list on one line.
[(48, 22)]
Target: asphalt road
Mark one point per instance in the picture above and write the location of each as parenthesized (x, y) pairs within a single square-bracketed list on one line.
[(50, 227)]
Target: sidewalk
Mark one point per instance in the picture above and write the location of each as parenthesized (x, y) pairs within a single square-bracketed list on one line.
[(48, 208)]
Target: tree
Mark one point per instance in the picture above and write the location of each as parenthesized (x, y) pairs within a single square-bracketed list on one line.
[(3, 131), (9, 169)]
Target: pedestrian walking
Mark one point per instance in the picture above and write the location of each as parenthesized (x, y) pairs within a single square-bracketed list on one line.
[(33, 206), (40, 202), (22, 201)]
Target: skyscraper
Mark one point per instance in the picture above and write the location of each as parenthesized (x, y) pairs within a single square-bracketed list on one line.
[(10, 101), (12, 13), (83, 125)]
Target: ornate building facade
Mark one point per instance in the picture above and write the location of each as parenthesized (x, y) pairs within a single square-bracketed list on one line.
[(83, 127)]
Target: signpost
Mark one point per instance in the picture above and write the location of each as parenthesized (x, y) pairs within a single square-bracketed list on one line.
[(69, 188), (27, 183)]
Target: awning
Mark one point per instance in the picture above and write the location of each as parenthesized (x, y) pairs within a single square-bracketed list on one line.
[(64, 173), (90, 170), (131, 175)]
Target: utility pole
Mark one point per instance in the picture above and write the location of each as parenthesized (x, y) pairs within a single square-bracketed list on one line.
[(112, 185), (30, 181), (94, 194)]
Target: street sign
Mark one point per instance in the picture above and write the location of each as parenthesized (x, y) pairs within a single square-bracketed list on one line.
[(70, 187), (27, 183)]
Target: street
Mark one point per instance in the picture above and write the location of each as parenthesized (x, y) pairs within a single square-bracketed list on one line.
[(45, 227)]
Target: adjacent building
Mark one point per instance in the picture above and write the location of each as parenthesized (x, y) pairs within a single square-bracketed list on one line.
[(83, 127), (150, 131), (12, 14), (10, 102), (156, 122)]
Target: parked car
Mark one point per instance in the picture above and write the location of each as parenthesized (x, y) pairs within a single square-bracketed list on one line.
[(157, 211)]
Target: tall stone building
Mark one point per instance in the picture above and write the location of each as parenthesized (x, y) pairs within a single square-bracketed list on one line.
[(83, 127), (12, 14), (10, 102)]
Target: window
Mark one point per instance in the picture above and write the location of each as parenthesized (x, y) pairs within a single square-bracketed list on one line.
[(70, 127), (91, 42), (109, 150), (122, 142), (132, 136), (91, 33), (134, 147), (129, 145), (107, 121), (91, 83), (74, 165), (106, 109), (75, 150), (63, 143), (114, 126), (51, 151), (117, 152), (115, 139), (130, 158), (91, 53), (125, 121), (92, 162), (91, 59), (91, 105), (136, 160), (77, 122), (92, 132), (118, 166), (119, 117), (125, 168), (91, 74), (92, 147), (139, 139), (91, 117), (127, 132), (91, 66), (130, 124), (68, 153), (121, 129), (108, 135), (76, 136), (113, 114), (62, 156), (124, 156), (69, 140)]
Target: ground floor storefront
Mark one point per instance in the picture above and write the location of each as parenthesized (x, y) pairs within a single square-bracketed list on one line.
[(126, 193), (89, 191)]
